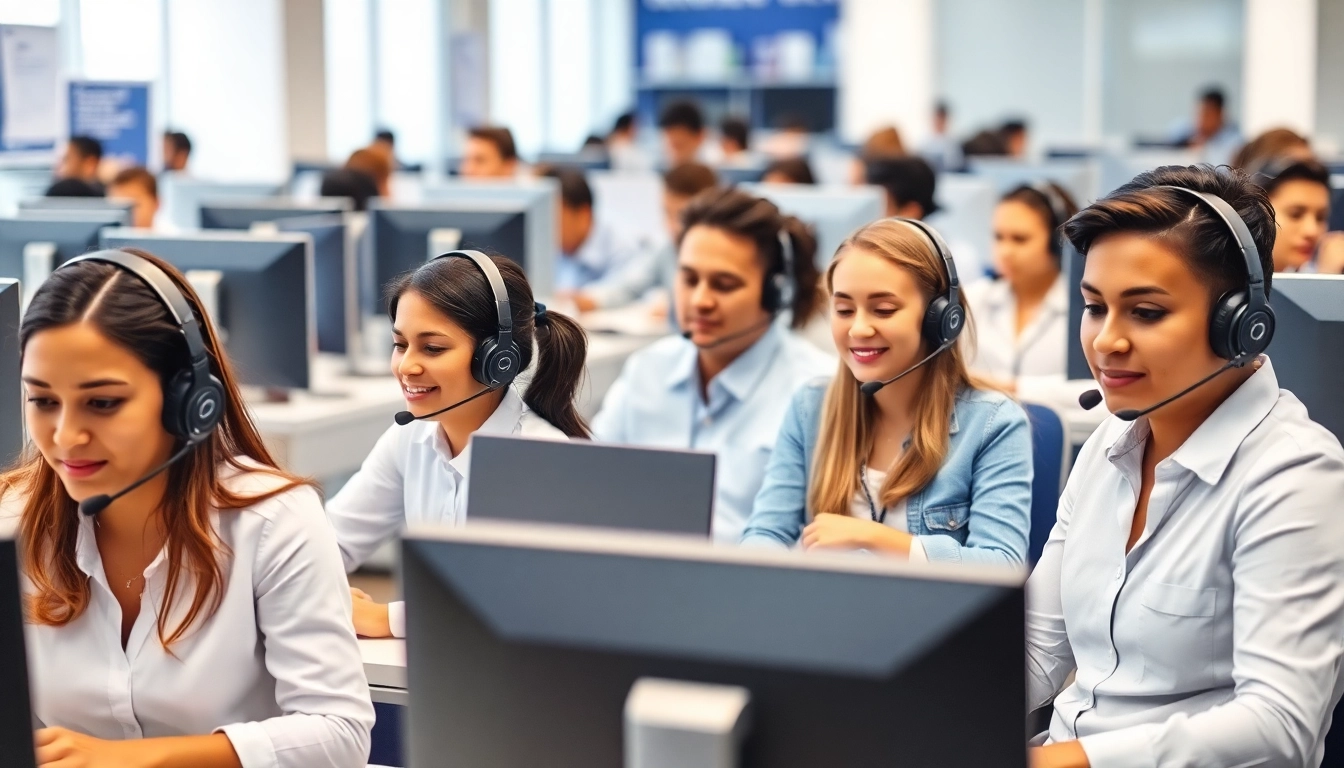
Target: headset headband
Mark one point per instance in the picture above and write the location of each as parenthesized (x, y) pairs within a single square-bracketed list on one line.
[(166, 290), (1255, 275), (1053, 200), (504, 333), (944, 253)]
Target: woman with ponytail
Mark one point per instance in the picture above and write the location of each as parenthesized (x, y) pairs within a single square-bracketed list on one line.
[(442, 314), (743, 270)]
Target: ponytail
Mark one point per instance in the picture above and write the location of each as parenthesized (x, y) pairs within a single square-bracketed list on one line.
[(807, 296), (562, 348)]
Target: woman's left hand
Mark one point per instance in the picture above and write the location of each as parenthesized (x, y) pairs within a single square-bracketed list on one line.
[(844, 532), (1330, 257), (62, 748)]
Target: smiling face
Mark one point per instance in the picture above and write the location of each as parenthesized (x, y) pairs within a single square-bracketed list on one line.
[(1145, 324), (431, 356), (718, 289), (877, 310), (1301, 211), (93, 410)]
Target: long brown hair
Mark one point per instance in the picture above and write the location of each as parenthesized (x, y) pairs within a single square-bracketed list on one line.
[(132, 316), (847, 416)]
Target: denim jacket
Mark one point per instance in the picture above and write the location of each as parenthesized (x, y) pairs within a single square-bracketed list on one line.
[(976, 509)]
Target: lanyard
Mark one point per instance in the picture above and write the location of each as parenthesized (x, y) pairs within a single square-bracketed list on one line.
[(877, 516)]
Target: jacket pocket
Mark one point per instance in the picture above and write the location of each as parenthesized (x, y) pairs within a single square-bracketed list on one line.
[(951, 518)]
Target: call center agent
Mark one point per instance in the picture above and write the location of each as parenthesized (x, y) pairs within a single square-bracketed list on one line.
[(198, 616), (902, 451), (455, 356), (724, 385), (1299, 190), (1194, 578), (1022, 316)]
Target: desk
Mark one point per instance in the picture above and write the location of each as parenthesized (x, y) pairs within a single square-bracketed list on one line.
[(327, 433), (385, 666)]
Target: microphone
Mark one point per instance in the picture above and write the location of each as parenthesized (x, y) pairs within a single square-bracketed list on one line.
[(730, 337), (406, 417), (1091, 398), (872, 387), (95, 504)]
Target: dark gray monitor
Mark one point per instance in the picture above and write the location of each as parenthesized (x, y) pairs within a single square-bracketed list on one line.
[(11, 391), (400, 236), (67, 233), (80, 204), (1307, 344), (1337, 198), (583, 483), (333, 277), (264, 300), (182, 196), (1077, 360), (243, 214), (524, 641), (16, 718)]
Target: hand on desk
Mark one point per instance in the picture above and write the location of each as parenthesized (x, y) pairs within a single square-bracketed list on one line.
[(61, 748), (844, 532), (1065, 754), (370, 617)]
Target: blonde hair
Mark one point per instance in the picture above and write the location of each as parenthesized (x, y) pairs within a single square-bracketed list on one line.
[(847, 416)]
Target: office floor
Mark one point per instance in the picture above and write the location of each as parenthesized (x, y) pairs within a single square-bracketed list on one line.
[(382, 587)]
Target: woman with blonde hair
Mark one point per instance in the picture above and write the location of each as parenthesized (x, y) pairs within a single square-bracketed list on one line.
[(901, 452)]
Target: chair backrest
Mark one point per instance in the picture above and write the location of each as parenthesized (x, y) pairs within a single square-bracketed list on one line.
[(1050, 467)]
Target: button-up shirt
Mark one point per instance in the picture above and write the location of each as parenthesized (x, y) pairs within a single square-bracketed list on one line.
[(276, 667), (1216, 640), (411, 476), (604, 254), (656, 402)]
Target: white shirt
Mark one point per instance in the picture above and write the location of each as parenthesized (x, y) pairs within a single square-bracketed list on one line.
[(276, 668), (1216, 641), (656, 402), (411, 476), (1042, 347)]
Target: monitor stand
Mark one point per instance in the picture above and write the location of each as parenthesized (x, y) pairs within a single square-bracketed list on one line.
[(675, 724)]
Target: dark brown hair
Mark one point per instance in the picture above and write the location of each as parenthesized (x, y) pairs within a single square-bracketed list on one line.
[(689, 179), (457, 288), (758, 220), (1194, 231), (1037, 197), (132, 316), (500, 136), (1271, 144)]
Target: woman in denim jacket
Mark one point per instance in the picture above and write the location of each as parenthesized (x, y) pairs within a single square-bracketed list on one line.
[(931, 466)]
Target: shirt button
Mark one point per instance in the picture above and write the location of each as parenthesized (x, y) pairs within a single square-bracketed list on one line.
[(1120, 572)]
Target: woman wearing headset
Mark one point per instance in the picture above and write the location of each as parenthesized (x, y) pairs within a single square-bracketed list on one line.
[(902, 452), (725, 384), (1299, 190), (1022, 317), (197, 616), (455, 354), (1194, 579)]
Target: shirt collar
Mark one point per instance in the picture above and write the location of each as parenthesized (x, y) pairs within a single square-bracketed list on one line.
[(1209, 450), (504, 421), (742, 376)]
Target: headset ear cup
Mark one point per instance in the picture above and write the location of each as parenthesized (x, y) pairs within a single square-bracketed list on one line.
[(495, 367), (175, 396), (934, 320), (204, 409), (1224, 322)]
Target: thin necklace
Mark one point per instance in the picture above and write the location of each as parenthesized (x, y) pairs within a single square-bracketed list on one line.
[(99, 524)]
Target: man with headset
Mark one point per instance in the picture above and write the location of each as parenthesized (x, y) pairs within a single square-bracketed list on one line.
[(1194, 579)]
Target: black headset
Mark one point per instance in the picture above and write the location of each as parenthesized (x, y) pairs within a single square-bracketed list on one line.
[(945, 317), (1241, 324), (1059, 213), (777, 293), (498, 361), (193, 398)]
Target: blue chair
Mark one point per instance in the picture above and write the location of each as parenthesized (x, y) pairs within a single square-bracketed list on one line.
[(1050, 468), (386, 746)]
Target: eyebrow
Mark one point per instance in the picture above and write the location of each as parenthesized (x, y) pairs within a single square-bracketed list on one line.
[(878, 295), (422, 334), (95, 384), (1141, 290)]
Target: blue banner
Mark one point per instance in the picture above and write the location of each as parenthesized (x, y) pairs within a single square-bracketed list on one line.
[(753, 28), (116, 114)]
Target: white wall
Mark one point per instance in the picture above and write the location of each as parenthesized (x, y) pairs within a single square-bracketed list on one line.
[(517, 47), (1329, 75), (226, 86), (349, 75), (1279, 66), (571, 72), (410, 39), (886, 67)]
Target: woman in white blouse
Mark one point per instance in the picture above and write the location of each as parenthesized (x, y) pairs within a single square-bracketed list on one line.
[(463, 327), (1195, 578), (199, 618), (1022, 317)]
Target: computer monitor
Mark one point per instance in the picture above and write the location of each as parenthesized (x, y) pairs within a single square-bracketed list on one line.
[(848, 660), (1076, 359), (1337, 199), (403, 238), (836, 212), (182, 196), (242, 214), (117, 210), (631, 204), (583, 483), (541, 198), (965, 219), (11, 391), (583, 161), (735, 177), (32, 245), (1307, 341), (16, 718), (335, 291), (18, 184), (1078, 177), (257, 288)]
